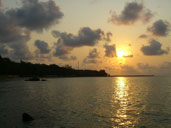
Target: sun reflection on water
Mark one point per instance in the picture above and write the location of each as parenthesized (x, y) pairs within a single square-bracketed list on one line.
[(121, 97), (121, 89)]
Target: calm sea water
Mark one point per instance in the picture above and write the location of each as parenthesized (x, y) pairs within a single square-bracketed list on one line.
[(118, 102)]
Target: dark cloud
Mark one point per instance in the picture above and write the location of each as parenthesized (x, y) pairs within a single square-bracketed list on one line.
[(16, 25), (143, 36), (42, 46), (129, 56), (9, 32), (20, 51), (35, 15), (147, 15), (14, 38), (61, 49), (154, 48), (108, 36), (92, 58), (66, 58), (132, 12), (160, 28), (86, 37), (93, 54), (110, 50)]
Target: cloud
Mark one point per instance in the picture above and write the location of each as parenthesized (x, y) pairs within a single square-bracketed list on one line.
[(66, 58), (35, 15), (90, 61), (42, 46), (93, 54), (154, 48), (110, 50), (0, 4), (129, 56), (160, 69), (3, 50), (165, 68), (14, 38), (92, 58), (128, 70), (61, 49), (143, 66), (143, 36), (86, 37), (147, 15), (147, 69), (20, 51), (108, 36), (160, 28), (9, 32), (16, 26), (131, 13), (166, 65)]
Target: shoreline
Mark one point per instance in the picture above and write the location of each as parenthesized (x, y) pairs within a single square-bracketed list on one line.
[(2, 77)]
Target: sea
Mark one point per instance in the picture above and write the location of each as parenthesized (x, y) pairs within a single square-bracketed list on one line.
[(87, 102)]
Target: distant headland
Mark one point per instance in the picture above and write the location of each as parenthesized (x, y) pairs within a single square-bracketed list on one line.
[(26, 69)]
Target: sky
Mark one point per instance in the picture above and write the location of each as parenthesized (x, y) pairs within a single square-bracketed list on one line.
[(123, 37)]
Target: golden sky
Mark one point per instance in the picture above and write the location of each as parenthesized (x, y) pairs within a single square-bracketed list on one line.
[(122, 37)]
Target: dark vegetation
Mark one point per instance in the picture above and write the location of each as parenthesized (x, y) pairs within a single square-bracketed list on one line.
[(25, 69)]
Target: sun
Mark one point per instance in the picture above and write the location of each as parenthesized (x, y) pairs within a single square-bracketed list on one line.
[(122, 52)]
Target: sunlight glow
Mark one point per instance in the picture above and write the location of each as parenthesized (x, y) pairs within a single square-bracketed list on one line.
[(122, 52)]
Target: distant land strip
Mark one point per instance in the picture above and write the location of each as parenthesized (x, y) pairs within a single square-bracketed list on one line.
[(132, 76), (27, 69)]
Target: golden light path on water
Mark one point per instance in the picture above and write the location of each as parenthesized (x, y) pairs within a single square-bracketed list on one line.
[(121, 96)]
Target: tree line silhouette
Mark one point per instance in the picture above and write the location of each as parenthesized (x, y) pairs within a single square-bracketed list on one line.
[(25, 69)]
